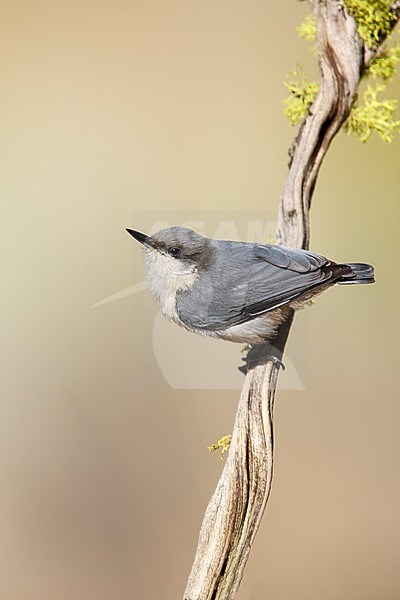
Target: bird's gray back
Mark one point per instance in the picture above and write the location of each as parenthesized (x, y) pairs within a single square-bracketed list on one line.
[(245, 280)]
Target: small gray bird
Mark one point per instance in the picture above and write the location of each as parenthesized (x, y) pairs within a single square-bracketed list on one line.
[(236, 291)]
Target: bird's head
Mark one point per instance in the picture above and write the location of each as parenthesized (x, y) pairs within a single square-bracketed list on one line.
[(177, 248)]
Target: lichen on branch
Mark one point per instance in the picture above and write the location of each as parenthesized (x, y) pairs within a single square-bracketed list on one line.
[(374, 115), (374, 18), (302, 95), (307, 30), (223, 444), (385, 65)]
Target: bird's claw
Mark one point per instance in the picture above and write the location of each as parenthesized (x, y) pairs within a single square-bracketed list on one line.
[(278, 363)]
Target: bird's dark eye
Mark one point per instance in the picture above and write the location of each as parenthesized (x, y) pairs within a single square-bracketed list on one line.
[(174, 251)]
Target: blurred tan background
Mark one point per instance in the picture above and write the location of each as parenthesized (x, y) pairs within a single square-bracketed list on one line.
[(110, 109)]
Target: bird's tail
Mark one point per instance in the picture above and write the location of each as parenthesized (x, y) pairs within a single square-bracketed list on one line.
[(360, 273)]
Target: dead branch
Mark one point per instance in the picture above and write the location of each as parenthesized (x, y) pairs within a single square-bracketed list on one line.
[(237, 505)]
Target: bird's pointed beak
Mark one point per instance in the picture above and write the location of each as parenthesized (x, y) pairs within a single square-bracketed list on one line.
[(140, 237)]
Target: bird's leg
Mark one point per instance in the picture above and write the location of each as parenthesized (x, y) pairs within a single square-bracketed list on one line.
[(271, 350)]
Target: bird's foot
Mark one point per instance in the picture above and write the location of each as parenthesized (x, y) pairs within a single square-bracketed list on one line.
[(260, 354)]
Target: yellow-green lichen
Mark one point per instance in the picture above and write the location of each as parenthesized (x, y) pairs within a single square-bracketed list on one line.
[(374, 18), (371, 113), (307, 30), (302, 95), (385, 65), (374, 115), (223, 444)]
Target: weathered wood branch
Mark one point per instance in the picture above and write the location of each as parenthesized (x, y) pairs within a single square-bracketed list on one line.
[(237, 505), (340, 53)]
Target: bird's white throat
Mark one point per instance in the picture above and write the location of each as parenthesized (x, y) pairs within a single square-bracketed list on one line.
[(166, 276)]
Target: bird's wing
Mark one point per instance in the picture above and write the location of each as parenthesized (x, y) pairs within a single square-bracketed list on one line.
[(270, 276), (293, 259)]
